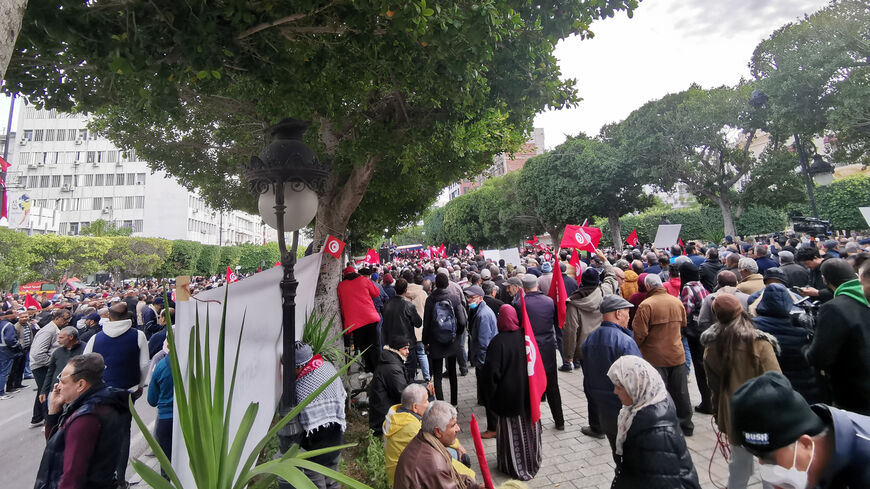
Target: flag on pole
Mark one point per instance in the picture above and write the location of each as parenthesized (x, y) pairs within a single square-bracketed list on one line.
[(584, 222), (481, 455), (632, 238), (534, 364), (372, 257), (441, 251), (581, 237), (559, 295), (548, 257), (470, 248), (575, 261), (681, 243), (30, 301), (333, 246), (231, 276), (4, 165), (532, 241)]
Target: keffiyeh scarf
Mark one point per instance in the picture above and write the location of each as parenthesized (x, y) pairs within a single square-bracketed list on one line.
[(328, 406)]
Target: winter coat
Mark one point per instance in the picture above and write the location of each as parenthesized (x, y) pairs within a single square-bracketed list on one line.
[(59, 359), (765, 263), (505, 365), (11, 347), (850, 466), (705, 318), (542, 314), (746, 363), (841, 347), (752, 283), (798, 275), (483, 330), (430, 325), (708, 271), (355, 297), (657, 325), (655, 455), (581, 315), (44, 344), (400, 320), (603, 347), (609, 283), (96, 414), (386, 389), (421, 466), (149, 322), (673, 286), (773, 318), (161, 391), (417, 296), (629, 287), (400, 427)]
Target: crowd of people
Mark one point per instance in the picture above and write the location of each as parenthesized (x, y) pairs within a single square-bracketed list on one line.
[(776, 336)]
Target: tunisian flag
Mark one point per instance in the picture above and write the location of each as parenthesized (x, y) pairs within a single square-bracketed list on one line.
[(372, 257), (333, 246), (441, 252), (481, 455), (581, 237), (632, 238), (30, 301), (231, 276), (535, 366), (559, 295), (575, 260), (532, 241)]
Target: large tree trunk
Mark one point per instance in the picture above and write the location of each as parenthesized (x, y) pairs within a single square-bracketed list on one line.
[(615, 230), (727, 216), (11, 16)]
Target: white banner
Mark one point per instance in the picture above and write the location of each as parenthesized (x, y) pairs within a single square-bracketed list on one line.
[(491, 255), (865, 211), (257, 300), (510, 255), (667, 235)]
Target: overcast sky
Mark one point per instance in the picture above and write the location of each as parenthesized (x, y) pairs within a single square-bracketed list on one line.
[(667, 46)]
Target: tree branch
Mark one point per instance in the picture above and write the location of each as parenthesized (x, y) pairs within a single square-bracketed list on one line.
[(283, 20)]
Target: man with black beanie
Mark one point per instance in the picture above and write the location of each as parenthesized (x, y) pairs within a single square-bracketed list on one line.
[(800, 446)]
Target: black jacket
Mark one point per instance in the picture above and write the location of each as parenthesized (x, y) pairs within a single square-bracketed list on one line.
[(841, 348), (655, 455), (386, 389), (436, 349), (400, 319), (798, 275), (708, 271), (505, 378), (493, 304), (773, 318)]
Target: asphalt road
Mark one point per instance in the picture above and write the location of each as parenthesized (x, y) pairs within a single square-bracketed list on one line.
[(21, 446)]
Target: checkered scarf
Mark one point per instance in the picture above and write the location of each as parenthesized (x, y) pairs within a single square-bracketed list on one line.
[(328, 406)]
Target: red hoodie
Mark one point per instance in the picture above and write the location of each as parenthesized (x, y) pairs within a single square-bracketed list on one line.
[(673, 286), (355, 298)]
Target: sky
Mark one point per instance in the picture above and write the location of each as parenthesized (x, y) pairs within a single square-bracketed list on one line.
[(667, 46)]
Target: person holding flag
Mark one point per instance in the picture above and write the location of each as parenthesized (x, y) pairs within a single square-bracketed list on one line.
[(518, 445)]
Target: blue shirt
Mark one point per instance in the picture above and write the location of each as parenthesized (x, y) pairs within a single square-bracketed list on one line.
[(160, 391)]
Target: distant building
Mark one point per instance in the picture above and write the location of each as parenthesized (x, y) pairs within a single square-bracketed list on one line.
[(502, 164), (64, 177)]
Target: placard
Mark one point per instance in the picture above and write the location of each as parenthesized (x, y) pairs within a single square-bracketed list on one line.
[(667, 235), (511, 255), (491, 255), (865, 211)]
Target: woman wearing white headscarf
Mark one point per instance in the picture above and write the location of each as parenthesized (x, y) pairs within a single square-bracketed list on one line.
[(650, 449)]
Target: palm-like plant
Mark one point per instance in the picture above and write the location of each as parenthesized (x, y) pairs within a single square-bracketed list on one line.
[(318, 333), (204, 417)]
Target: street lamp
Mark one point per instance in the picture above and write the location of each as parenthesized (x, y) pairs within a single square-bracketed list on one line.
[(821, 171), (286, 176)]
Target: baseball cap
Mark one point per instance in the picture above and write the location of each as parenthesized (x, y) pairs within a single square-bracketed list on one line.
[(612, 303), (92, 317), (485, 274), (767, 414), (473, 290), (515, 281), (776, 273)]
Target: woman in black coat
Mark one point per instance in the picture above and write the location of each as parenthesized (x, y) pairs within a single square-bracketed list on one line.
[(650, 449)]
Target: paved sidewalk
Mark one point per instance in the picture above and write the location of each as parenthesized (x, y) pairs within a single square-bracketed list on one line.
[(573, 460)]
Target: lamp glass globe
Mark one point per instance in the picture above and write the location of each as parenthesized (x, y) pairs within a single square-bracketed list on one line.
[(301, 207)]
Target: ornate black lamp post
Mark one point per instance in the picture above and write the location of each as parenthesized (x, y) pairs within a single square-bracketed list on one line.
[(286, 176)]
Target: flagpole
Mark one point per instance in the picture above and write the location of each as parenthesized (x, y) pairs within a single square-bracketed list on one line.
[(3, 196)]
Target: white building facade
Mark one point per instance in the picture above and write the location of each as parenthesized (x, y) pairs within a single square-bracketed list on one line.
[(60, 166)]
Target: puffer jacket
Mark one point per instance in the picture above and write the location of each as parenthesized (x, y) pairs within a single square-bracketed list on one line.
[(746, 363), (629, 287), (773, 318), (386, 388), (655, 455)]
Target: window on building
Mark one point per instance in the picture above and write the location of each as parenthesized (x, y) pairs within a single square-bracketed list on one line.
[(128, 224), (63, 228), (140, 202), (110, 179), (44, 180), (55, 181), (68, 179), (140, 179), (83, 133), (190, 224), (101, 156), (92, 156), (34, 181), (38, 134), (98, 180), (137, 226), (131, 178), (22, 180), (71, 134), (61, 134), (111, 156), (119, 179), (74, 204), (119, 203), (98, 203), (28, 134), (25, 158), (74, 228), (129, 202), (89, 180), (49, 134)]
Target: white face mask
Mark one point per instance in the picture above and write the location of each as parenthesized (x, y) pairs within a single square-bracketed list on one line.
[(780, 476)]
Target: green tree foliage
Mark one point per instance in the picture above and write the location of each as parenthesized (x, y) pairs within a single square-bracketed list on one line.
[(182, 259), (702, 139), (229, 257), (207, 261), (409, 235), (103, 228), (15, 258), (839, 202), (252, 256), (66, 256), (816, 73), (136, 257), (433, 225)]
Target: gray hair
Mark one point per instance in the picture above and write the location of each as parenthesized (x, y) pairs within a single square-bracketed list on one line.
[(437, 415), (412, 394), (747, 264), (652, 281), (60, 313), (70, 331), (786, 256)]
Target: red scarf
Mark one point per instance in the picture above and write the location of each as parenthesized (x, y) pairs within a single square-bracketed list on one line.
[(312, 365)]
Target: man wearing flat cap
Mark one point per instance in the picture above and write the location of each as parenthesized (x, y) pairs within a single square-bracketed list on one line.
[(601, 348), (800, 446), (483, 327)]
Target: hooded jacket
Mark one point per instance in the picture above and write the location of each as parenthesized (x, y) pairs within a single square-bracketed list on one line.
[(386, 388), (582, 315), (430, 325), (773, 318), (708, 271), (841, 347), (629, 286), (356, 296), (116, 358), (850, 462)]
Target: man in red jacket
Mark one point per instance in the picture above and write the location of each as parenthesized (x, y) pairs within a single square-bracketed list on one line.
[(355, 294)]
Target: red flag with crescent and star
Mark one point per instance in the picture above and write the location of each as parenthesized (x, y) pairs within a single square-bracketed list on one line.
[(372, 257), (584, 238), (534, 364), (632, 238), (575, 260), (333, 246), (532, 241), (231, 276)]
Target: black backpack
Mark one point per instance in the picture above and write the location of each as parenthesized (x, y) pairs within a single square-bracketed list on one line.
[(445, 319)]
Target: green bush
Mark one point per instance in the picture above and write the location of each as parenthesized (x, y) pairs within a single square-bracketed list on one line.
[(207, 262), (839, 202), (182, 259)]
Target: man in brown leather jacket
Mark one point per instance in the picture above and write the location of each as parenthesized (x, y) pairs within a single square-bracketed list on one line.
[(425, 463)]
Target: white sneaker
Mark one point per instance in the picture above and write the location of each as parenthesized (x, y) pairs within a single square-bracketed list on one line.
[(4, 397)]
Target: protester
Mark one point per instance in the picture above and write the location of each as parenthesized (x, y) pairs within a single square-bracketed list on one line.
[(800, 445), (10, 349), (482, 323), (389, 381), (734, 352), (650, 449), (444, 321), (692, 294), (44, 344), (359, 316), (85, 425), (161, 394), (601, 348), (709, 269), (750, 280), (70, 346), (582, 317), (425, 462), (402, 320)]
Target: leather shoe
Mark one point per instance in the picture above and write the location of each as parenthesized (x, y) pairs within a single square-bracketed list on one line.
[(486, 435), (566, 367), (703, 409), (588, 431)]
